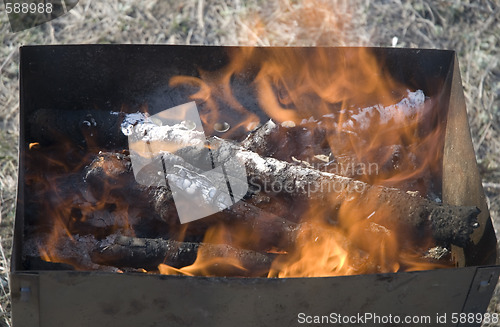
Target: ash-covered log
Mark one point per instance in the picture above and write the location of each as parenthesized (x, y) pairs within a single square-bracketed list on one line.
[(449, 224), (273, 230), (149, 253), (308, 138), (304, 142)]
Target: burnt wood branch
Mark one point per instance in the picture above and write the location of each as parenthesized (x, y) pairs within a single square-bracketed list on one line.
[(273, 230), (149, 253), (448, 223), (303, 142), (69, 251), (306, 144)]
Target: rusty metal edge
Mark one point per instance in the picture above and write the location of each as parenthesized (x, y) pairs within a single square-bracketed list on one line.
[(461, 180)]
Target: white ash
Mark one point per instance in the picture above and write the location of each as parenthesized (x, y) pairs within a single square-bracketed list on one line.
[(437, 253), (301, 162), (310, 120), (108, 241), (147, 129), (131, 120), (322, 157), (377, 228), (288, 123), (407, 109), (259, 136), (177, 134)]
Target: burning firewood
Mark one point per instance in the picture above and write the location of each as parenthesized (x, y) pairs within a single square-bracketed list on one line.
[(306, 144), (74, 251), (449, 224), (273, 230), (272, 138), (149, 253)]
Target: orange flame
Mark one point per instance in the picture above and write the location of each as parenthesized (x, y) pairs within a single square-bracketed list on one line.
[(206, 263), (369, 118), (68, 209)]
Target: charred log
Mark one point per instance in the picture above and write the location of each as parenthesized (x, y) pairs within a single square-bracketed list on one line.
[(149, 253), (306, 145), (284, 142), (67, 252), (449, 224), (254, 212)]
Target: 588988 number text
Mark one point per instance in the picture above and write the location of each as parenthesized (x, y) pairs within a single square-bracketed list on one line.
[(25, 8)]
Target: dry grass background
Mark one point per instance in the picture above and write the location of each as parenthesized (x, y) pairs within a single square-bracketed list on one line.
[(472, 28)]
